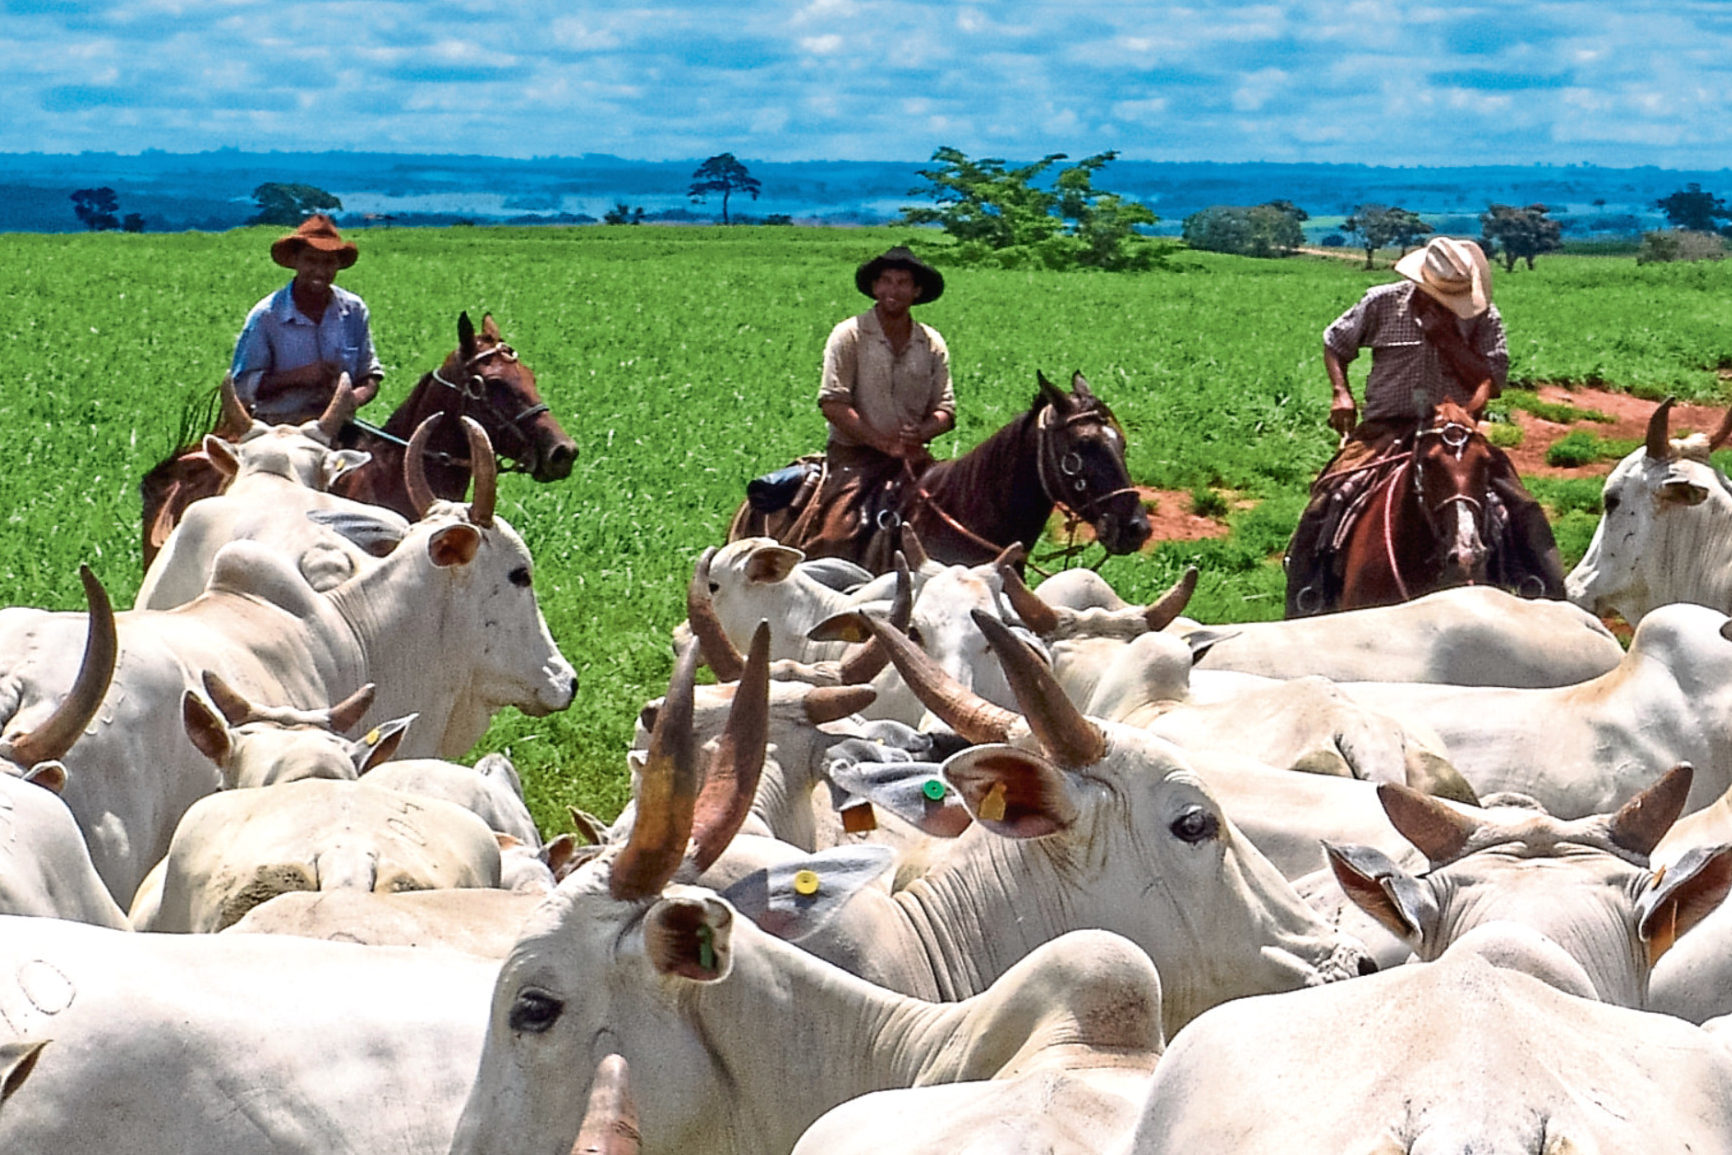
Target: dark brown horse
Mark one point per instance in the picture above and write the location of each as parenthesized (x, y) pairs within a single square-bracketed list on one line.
[(482, 378), (1066, 450), (1423, 525)]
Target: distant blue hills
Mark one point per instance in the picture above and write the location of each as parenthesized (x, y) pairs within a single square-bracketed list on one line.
[(213, 190)]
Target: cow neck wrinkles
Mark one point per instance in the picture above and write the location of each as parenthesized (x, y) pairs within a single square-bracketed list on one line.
[(838, 1037), (987, 906)]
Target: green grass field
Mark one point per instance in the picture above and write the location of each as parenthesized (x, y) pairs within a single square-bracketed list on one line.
[(685, 361)]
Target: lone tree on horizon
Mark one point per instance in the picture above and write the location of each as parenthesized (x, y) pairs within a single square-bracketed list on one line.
[(96, 208), (290, 204), (723, 174), (1521, 233), (1691, 208)]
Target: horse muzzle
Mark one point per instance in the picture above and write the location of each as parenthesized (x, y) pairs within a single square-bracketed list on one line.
[(1124, 535)]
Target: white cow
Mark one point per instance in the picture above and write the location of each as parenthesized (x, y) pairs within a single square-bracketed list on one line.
[(736, 1041), (490, 790), (45, 868), (1584, 884), (234, 1044), (254, 746), (476, 920), (1666, 531), (1588, 749), (1481, 1051), (1465, 636), (272, 637)]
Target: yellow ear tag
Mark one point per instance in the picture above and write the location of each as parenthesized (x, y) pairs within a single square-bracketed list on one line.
[(372, 738), (992, 806), (806, 882), (1665, 934)]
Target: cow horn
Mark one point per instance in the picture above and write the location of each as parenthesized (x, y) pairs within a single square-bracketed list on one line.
[(1068, 736), (732, 782), (1035, 614), (864, 662), (720, 653), (233, 420), (484, 467), (913, 547), (1722, 434), (830, 703), (1171, 604), (337, 413), (415, 467), (1641, 822), (55, 736), (610, 1124), (1659, 423), (236, 710), (667, 794), (958, 707), (1011, 555), (1440, 833)]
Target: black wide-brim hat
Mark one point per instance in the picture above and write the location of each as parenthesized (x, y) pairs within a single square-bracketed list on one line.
[(929, 279)]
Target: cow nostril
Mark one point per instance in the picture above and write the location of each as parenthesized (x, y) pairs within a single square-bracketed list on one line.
[(1367, 965)]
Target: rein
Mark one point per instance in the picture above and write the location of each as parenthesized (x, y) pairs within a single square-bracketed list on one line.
[(1455, 437), (473, 388)]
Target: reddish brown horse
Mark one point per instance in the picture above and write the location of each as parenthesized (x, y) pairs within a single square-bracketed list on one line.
[(1067, 449), (482, 378), (1423, 525)]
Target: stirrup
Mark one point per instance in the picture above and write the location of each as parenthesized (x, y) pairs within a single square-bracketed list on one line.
[(1537, 586), (1309, 600)]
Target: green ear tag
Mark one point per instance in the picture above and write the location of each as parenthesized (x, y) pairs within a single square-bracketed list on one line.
[(706, 947), (933, 788)]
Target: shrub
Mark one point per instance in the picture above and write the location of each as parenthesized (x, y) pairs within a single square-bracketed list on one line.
[(1583, 448), (1260, 231), (1680, 245), (1503, 435), (1334, 241), (1205, 502)]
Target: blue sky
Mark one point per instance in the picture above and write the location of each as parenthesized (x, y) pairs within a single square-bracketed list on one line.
[(1627, 83)]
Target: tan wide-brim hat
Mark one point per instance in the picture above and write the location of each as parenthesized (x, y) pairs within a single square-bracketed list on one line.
[(316, 232), (1454, 272)]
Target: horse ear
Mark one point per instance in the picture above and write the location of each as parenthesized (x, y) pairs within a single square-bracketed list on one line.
[(1080, 386), (465, 336), (1049, 393), (489, 329)]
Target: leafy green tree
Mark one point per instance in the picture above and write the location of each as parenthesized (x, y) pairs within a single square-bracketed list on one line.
[(1384, 226), (623, 214), (1520, 233), (95, 208), (132, 223), (1691, 208), (290, 204), (723, 174), (1260, 231), (997, 210)]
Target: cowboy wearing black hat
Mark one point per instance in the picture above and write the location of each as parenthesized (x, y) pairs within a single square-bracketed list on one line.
[(298, 341), (886, 393)]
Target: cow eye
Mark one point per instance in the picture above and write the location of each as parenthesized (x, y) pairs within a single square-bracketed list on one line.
[(535, 1011), (520, 577), (1611, 502), (1195, 825)]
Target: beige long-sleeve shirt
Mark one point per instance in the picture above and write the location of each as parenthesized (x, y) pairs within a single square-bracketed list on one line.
[(885, 387)]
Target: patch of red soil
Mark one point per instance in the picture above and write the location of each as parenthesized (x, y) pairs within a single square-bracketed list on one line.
[(1630, 422)]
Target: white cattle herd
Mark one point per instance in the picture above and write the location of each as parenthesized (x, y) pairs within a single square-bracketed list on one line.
[(939, 863)]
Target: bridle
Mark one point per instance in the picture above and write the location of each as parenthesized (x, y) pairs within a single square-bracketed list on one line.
[(1455, 437), (472, 390)]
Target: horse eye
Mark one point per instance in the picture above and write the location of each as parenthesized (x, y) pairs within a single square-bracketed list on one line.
[(1195, 825), (520, 576), (535, 1011)]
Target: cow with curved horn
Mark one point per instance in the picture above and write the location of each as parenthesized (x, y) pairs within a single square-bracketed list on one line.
[(1666, 531)]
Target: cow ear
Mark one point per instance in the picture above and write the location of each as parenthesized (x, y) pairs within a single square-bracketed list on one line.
[(1398, 901), (849, 626), (1681, 490), (339, 462), (564, 854), (772, 563), (17, 1060), (381, 742), (207, 729), (1681, 895), (454, 545), (1204, 640), (222, 455), (50, 775), (691, 938), (913, 791), (1012, 792), (795, 898)]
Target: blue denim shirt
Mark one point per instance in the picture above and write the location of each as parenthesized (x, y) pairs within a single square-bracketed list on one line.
[(277, 336)]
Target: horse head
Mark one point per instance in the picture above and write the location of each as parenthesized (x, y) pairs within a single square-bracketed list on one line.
[(1451, 474), (1082, 464), (484, 380)]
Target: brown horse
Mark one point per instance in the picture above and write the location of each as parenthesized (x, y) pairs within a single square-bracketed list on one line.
[(1067, 449), (482, 378), (1423, 525)]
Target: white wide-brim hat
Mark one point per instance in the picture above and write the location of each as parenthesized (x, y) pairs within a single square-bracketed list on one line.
[(1455, 272)]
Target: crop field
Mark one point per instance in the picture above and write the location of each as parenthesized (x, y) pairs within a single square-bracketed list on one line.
[(684, 361)]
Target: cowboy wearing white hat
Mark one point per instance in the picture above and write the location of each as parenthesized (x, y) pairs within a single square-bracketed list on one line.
[(1433, 335)]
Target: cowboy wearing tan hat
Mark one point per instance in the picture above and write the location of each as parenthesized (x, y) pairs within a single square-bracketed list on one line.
[(1433, 335), (298, 341)]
